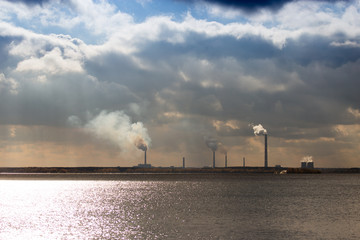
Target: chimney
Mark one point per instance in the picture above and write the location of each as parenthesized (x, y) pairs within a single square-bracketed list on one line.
[(213, 159), (310, 165), (303, 165), (183, 162), (266, 152), (145, 158), (243, 161), (226, 160)]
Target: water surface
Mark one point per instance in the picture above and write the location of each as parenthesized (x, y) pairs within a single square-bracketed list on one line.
[(179, 206)]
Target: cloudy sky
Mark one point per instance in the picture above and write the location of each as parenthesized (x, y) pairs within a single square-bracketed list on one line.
[(83, 81)]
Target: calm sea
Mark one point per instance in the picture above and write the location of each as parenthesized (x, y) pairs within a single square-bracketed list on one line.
[(180, 206)]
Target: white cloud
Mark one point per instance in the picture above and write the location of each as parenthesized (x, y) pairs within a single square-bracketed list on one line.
[(53, 62), (220, 11), (354, 112), (347, 44), (120, 33), (8, 84), (143, 2)]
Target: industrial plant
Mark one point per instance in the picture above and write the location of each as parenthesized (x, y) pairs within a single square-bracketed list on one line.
[(307, 162)]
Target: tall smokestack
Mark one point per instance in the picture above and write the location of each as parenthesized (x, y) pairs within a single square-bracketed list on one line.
[(243, 161), (266, 152), (183, 162), (213, 159), (145, 157), (226, 160), (260, 130)]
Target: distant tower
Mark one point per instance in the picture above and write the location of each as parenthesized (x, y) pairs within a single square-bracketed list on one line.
[(213, 159), (303, 165), (243, 161), (226, 160), (310, 165), (145, 158), (183, 162), (266, 152)]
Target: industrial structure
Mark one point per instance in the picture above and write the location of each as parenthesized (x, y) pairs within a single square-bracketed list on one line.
[(310, 165), (145, 165), (213, 159), (307, 163), (266, 152), (145, 157)]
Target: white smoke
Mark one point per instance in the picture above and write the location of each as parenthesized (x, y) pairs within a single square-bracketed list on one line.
[(117, 128), (223, 149), (211, 143), (258, 129), (307, 159)]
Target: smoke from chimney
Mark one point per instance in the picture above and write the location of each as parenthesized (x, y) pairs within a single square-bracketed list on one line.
[(307, 159), (258, 129), (117, 128), (212, 143), (140, 143)]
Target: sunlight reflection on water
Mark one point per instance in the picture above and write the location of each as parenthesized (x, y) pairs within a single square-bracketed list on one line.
[(67, 209), (243, 207)]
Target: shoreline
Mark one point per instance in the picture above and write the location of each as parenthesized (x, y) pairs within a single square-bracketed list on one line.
[(170, 170)]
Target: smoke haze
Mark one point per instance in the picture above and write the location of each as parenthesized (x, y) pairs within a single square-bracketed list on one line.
[(140, 143), (117, 128), (307, 159), (212, 143), (222, 148)]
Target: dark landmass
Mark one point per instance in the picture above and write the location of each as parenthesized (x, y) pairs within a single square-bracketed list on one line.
[(136, 170), (277, 170), (303, 171)]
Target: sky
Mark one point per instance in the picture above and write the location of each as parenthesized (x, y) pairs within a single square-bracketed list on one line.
[(93, 82)]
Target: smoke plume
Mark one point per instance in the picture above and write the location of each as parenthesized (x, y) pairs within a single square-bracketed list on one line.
[(258, 129), (141, 144), (307, 159), (211, 143), (117, 128), (222, 148)]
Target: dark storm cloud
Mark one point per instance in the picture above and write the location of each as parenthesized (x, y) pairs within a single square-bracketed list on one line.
[(318, 98), (247, 47), (30, 2), (253, 5), (121, 69), (304, 51), (309, 49), (51, 103)]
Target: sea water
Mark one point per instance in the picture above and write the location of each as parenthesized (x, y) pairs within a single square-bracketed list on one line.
[(179, 206)]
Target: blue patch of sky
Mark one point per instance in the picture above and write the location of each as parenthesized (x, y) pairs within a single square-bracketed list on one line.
[(176, 9), (141, 10), (336, 9)]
